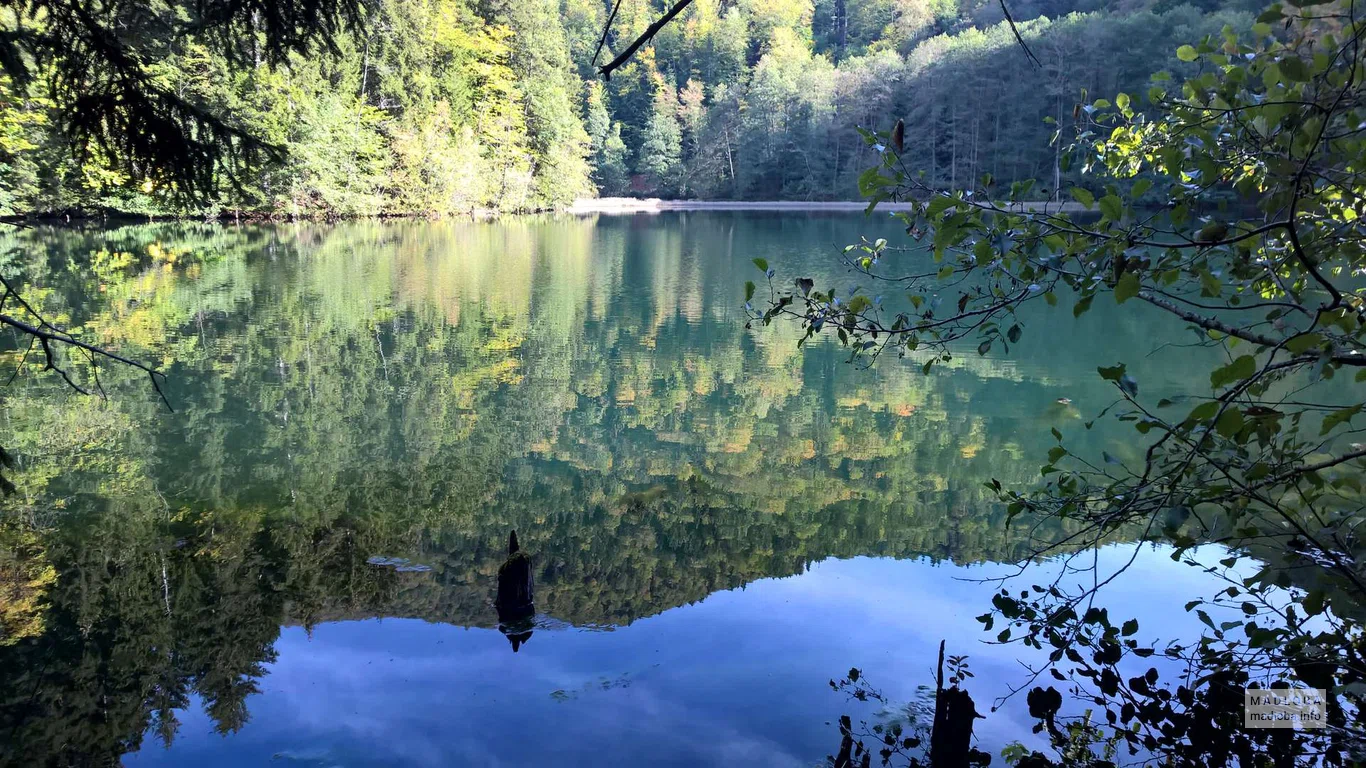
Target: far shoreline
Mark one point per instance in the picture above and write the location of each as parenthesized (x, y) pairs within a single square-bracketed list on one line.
[(615, 205), (99, 216)]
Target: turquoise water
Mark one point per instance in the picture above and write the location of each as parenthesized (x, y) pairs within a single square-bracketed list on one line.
[(297, 564)]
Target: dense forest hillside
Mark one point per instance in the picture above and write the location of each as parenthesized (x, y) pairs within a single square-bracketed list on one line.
[(445, 106)]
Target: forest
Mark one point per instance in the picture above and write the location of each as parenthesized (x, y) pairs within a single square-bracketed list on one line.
[(658, 428), (456, 106)]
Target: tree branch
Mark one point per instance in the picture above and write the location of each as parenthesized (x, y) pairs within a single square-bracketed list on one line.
[(606, 29), (1011, 21), (1211, 324), (48, 334), (606, 69)]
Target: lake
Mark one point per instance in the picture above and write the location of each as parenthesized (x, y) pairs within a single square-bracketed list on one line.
[(297, 564)]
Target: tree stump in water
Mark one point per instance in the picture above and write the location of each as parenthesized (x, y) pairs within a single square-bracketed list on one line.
[(515, 602), (954, 713), (951, 740)]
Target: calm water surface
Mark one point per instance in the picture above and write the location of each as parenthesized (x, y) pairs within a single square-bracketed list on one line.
[(297, 565)]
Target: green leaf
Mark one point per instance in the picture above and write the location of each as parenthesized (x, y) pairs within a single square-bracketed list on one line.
[(1127, 288), (1129, 628), (868, 181), (939, 205), (762, 264), (1112, 207), (1230, 423), (1304, 343), (1141, 186), (1313, 603), (1210, 285), (1272, 14), (1204, 617), (945, 272), (1122, 101), (749, 290), (1187, 53), (1294, 69), (1080, 307), (1337, 417), (1204, 411), (1084, 197), (1237, 370), (1111, 373), (1014, 333)]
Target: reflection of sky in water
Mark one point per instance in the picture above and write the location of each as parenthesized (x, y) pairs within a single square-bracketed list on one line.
[(738, 678)]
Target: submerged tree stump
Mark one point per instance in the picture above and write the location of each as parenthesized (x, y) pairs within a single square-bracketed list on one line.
[(954, 713), (951, 740), (516, 601)]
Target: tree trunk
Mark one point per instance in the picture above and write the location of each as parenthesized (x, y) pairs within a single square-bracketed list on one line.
[(365, 69), (730, 160), (934, 152), (841, 29), (953, 150), (1057, 155)]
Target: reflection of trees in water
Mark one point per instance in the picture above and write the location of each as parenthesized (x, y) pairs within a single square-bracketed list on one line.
[(520, 380)]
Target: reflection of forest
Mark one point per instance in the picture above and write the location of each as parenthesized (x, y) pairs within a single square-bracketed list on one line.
[(417, 391)]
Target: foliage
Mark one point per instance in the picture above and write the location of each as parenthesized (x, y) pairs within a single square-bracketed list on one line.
[(782, 97), (1260, 460), (662, 146), (101, 67), (434, 107), (410, 107)]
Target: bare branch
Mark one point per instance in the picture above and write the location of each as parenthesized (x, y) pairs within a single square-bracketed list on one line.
[(606, 69), (47, 334), (1011, 21)]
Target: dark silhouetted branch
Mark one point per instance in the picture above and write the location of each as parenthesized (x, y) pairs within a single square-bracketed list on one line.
[(46, 334), (606, 29), (606, 69), (1011, 21)]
